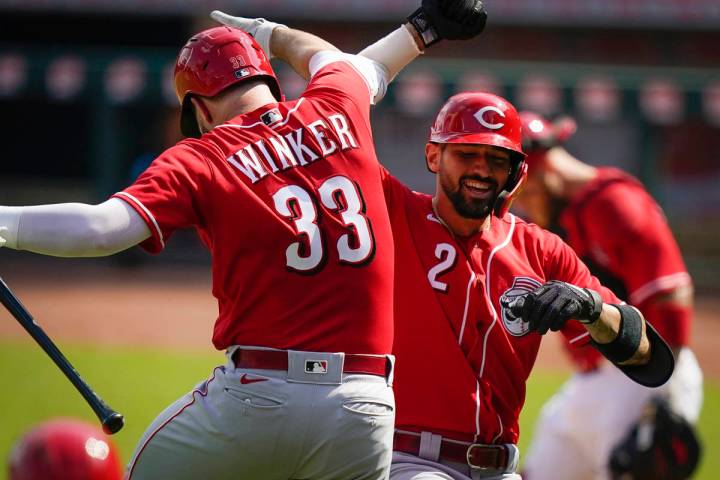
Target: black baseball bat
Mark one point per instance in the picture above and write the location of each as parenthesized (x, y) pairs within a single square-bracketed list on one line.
[(111, 420)]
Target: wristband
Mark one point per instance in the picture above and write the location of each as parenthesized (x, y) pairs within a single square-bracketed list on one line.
[(628, 339), (422, 25)]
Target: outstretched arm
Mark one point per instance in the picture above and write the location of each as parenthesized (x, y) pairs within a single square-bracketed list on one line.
[(619, 332), (72, 229)]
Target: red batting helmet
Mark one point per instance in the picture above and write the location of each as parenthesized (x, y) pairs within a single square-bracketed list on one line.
[(212, 61), (64, 449), (484, 119), (539, 134)]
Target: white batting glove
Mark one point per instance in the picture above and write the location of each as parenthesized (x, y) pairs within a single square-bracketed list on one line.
[(259, 28), (2, 240)]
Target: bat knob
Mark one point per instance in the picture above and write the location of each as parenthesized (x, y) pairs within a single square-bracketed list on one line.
[(113, 423)]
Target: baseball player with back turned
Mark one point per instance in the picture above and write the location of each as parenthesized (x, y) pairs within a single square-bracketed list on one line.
[(288, 197), (614, 225)]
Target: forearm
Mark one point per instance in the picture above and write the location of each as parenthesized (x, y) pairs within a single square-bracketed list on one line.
[(76, 229), (296, 48), (396, 50), (606, 329)]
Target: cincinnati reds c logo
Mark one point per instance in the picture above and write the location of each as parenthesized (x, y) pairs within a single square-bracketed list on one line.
[(492, 126)]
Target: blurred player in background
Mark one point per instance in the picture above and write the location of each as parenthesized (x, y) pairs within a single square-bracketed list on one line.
[(288, 197), (64, 449), (620, 232), (475, 290)]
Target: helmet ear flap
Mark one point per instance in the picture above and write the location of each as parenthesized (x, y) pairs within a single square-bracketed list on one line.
[(188, 122), (511, 190)]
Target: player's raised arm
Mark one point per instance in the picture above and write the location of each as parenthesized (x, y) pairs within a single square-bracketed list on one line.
[(435, 20), (295, 47)]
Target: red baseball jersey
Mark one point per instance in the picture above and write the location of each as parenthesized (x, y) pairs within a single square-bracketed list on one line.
[(288, 199), (616, 227), (462, 357)]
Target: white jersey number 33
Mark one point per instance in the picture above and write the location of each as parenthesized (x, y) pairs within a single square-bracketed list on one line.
[(338, 194)]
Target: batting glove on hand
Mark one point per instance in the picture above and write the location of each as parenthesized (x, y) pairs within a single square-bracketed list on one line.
[(448, 19), (553, 304), (258, 28)]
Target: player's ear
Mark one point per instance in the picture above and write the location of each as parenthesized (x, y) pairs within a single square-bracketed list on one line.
[(432, 157)]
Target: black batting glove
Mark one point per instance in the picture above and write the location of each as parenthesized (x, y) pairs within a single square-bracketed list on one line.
[(448, 19), (554, 303)]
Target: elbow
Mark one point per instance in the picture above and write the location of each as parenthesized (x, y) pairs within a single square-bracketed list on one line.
[(94, 239)]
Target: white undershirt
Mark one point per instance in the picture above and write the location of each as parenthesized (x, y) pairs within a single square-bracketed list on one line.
[(374, 74), (74, 229)]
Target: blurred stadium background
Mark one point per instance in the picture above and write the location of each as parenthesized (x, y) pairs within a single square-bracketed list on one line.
[(87, 101)]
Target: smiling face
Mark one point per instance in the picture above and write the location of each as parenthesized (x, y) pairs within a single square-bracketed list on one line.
[(469, 176)]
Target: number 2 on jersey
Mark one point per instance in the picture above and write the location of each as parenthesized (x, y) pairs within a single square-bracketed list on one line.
[(446, 254), (337, 194)]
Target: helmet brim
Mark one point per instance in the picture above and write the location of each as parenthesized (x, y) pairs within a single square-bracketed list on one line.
[(492, 139)]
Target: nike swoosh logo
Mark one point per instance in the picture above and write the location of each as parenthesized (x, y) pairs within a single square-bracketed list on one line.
[(245, 380), (433, 218)]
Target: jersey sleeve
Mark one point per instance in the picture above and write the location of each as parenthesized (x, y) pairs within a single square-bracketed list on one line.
[(393, 189), (168, 193), (562, 263), (338, 82), (640, 243), (374, 74), (642, 248)]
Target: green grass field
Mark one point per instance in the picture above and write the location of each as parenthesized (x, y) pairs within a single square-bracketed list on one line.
[(140, 383)]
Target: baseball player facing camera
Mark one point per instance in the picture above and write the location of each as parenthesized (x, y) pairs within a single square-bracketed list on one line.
[(288, 197), (475, 290), (639, 259)]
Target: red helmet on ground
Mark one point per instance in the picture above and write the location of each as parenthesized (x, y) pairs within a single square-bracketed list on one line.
[(214, 60), (64, 449), (484, 119)]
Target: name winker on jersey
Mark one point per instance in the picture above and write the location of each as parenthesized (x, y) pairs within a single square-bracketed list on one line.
[(281, 152)]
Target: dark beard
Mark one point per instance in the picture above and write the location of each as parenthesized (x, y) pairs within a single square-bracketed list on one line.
[(475, 209)]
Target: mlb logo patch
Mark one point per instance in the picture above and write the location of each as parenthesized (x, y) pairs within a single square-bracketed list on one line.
[(316, 366), (271, 116), (243, 72)]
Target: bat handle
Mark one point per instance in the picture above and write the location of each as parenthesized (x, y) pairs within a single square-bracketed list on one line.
[(112, 423)]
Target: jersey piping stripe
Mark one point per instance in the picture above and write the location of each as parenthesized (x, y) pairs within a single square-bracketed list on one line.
[(477, 411), (667, 282), (467, 306), (579, 337), (203, 391), (287, 119), (488, 276), (502, 430), (147, 212)]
